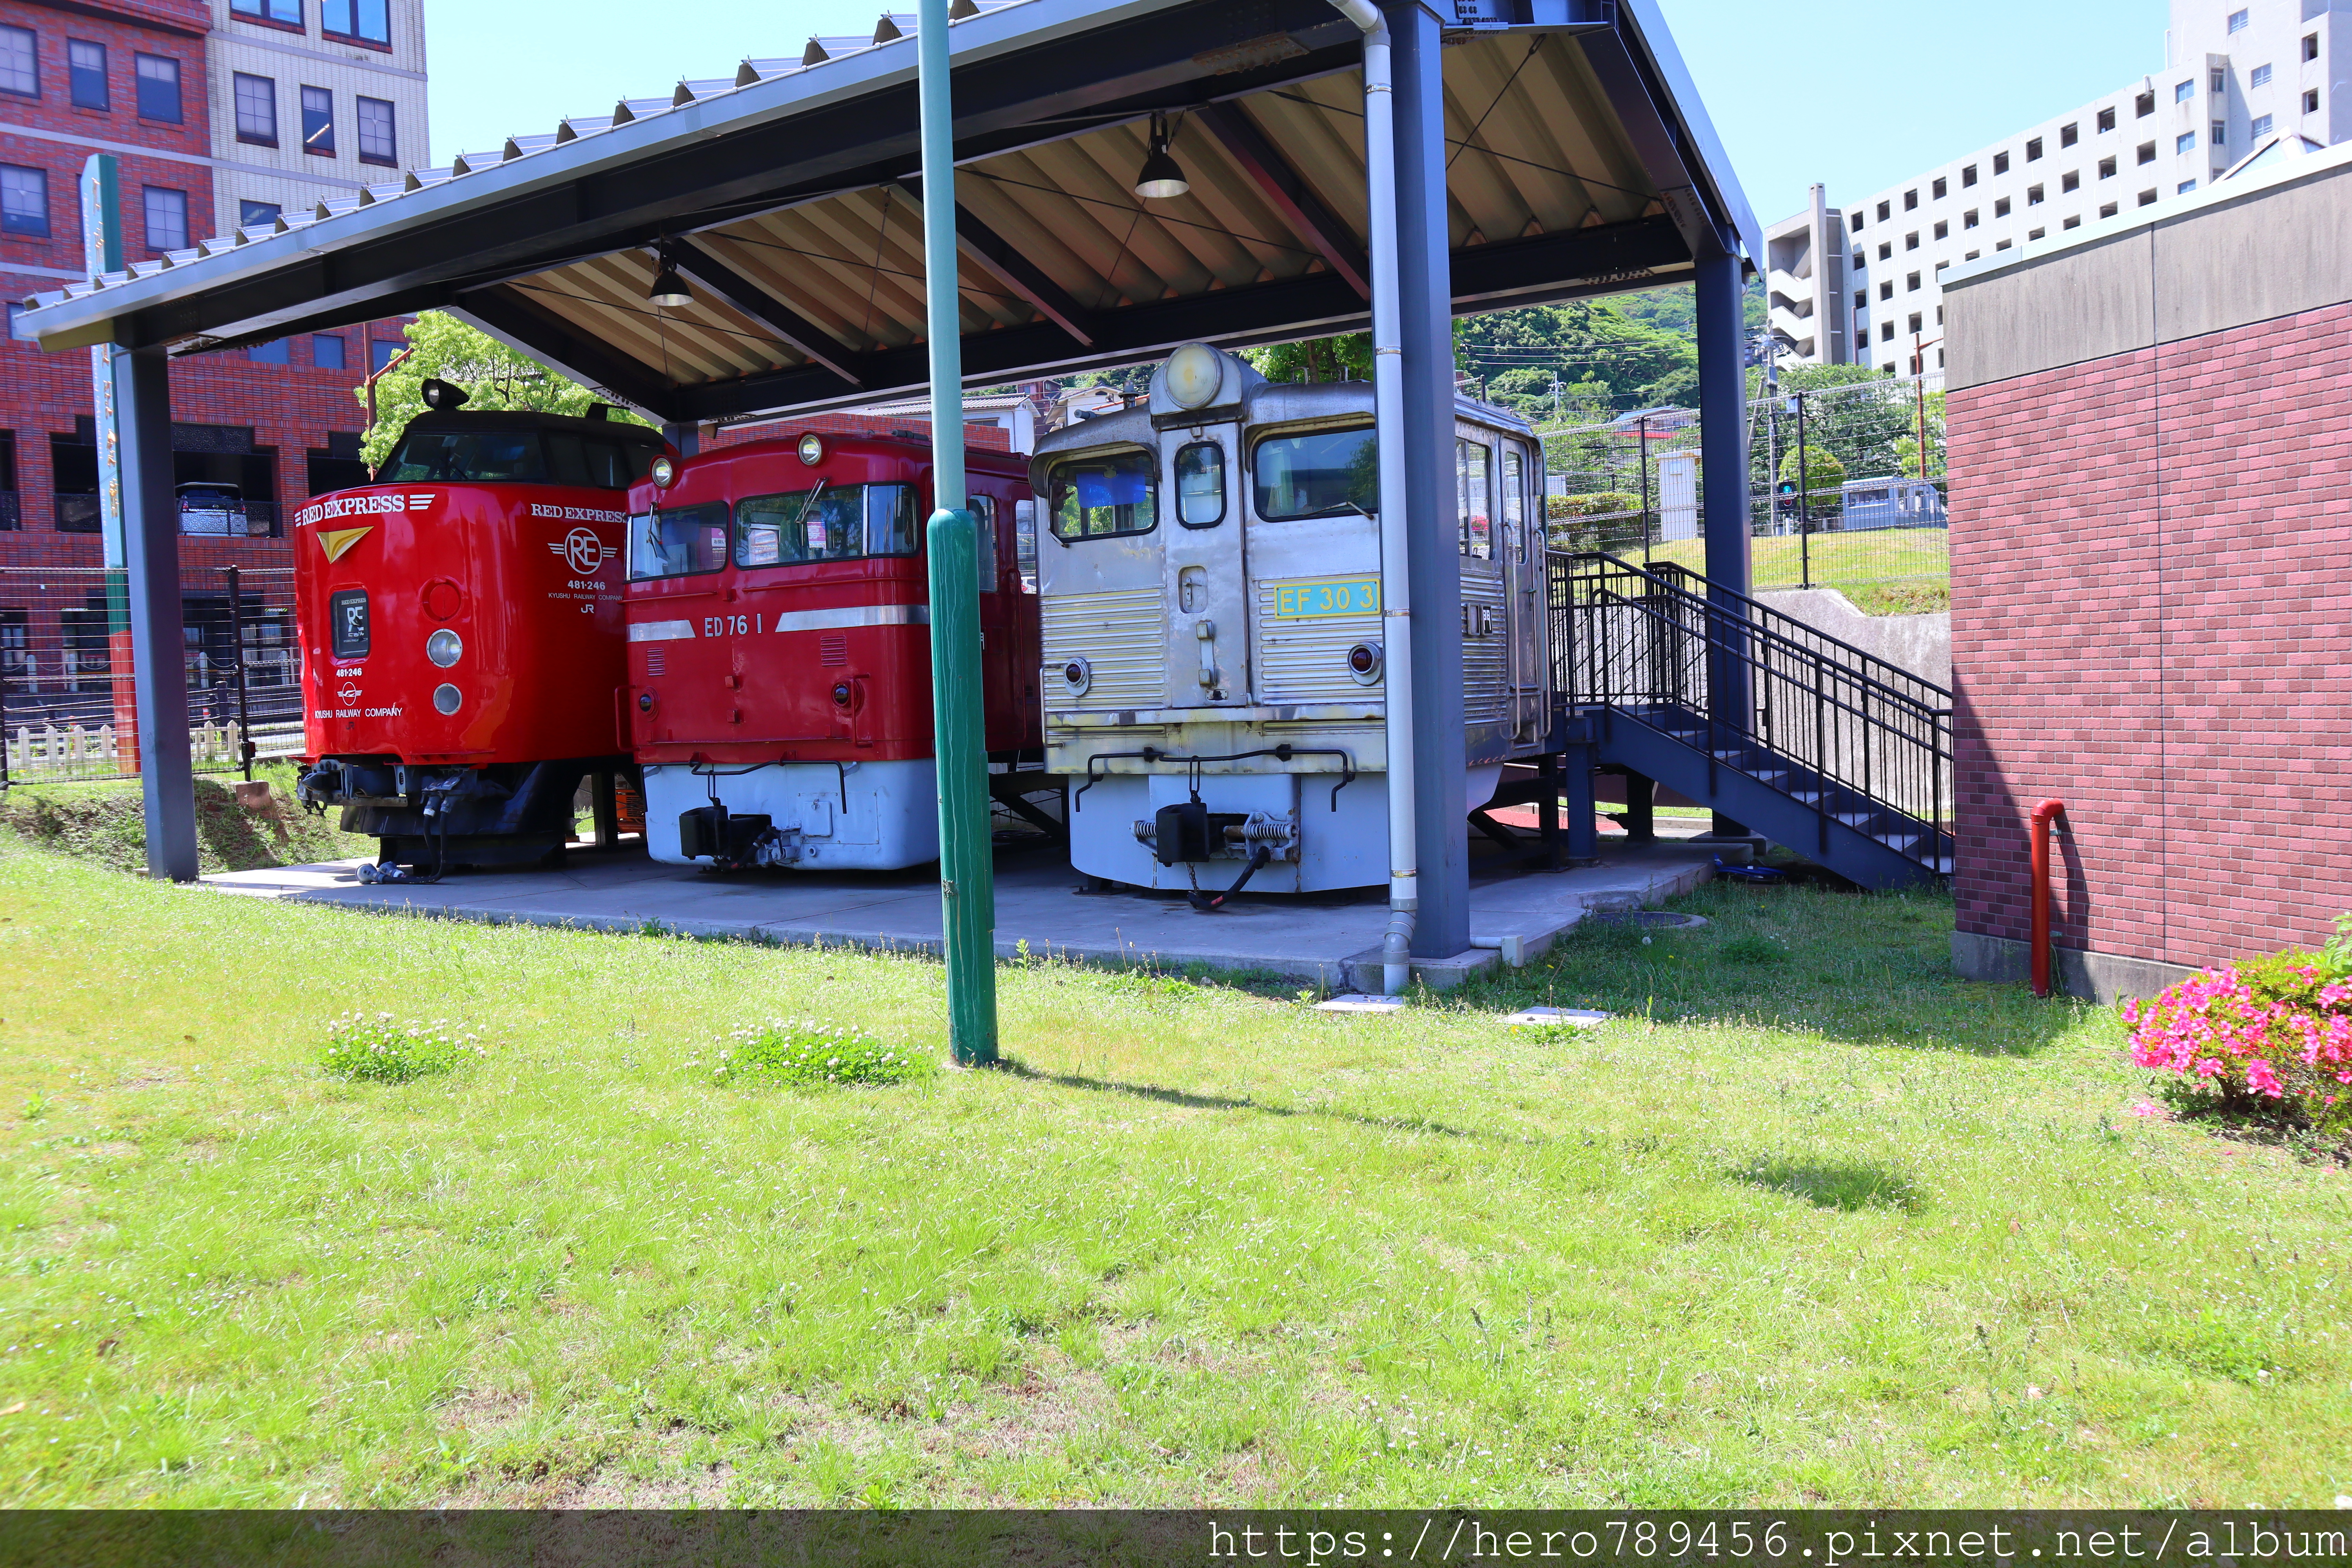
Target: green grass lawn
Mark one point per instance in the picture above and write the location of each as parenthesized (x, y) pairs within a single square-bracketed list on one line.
[(1811, 1222), (1885, 572), (104, 820)]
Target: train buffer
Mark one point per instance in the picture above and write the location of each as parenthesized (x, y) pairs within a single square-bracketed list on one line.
[(1806, 740)]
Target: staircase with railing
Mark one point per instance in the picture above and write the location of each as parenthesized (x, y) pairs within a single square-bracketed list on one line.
[(1809, 741)]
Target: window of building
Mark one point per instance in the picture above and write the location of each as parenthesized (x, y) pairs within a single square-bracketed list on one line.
[(2000, 208), (2311, 101), (1886, 331), (256, 215), (2108, 211), (1972, 255), (2148, 152), (2220, 129), (381, 351), (2237, 21), (271, 353), (257, 109), (2001, 245), (289, 11), (326, 350), (2106, 168), (318, 122), (18, 331), (2001, 163), (366, 20), (2183, 91), (2070, 181), (20, 62), (2183, 188), (2311, 45), (1886, 289), (1969, 176), (2033, 195), (1886, 251), (2106, 119), (1911, 241), (2262, 125), (1886, 211), (1943, 231), (1942, 189), (2143, 106), (1941, 267), (1910, 200), (2148, 198), (23, 202), (2220, 83), (2033, 150), (1857, 223), (159, 88), (2261, 77), (1969, 218), (2075, 222), (167, 218), (378, 144), (86, 74), (2185, 142), (2069, 134), (2033, 233), (1913, 325), (1911, 284)]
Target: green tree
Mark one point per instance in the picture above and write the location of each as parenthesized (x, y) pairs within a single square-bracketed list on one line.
[(1821, 480), (494, 376), (1347, 358)]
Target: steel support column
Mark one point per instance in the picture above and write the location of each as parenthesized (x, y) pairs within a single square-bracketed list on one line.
[(142, 403), (1723, 428), (1440, 753)]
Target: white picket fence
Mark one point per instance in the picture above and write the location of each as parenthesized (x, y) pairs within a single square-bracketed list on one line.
[(76, 753)]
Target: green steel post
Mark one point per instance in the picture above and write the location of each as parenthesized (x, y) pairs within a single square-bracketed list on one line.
[(102, 242), (967, 874)]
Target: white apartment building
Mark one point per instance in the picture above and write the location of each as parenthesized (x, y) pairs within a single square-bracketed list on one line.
[(2245, 77), (311, 98), (1805, 283)]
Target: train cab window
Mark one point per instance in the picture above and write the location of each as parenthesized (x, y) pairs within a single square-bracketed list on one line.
[(1330, 473), (1105, 494), (486, 457), (831, 523), (347, 618), (1024, 544), (1200, 485), (1473, 504), (599, 465), (983, 522), (678, 541)]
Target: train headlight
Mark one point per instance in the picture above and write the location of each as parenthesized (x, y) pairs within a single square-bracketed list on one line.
[(445, 648), (1364, 663), (844, 694), (812, 449), (446, 699), (664, 472), (1078, 677), (1195, 373)]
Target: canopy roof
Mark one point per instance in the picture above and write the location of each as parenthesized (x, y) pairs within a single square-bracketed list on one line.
[(790, 196)]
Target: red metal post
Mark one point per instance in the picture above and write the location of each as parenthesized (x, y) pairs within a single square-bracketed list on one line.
[(2042, 816)]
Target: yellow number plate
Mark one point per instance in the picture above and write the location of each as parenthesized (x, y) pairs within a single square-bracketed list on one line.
[(1335, 596)]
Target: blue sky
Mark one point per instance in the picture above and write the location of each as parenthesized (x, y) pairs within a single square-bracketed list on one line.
[(1853, 93)]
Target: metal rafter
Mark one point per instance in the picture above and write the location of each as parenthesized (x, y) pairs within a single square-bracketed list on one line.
[(796, 333), (997, 256), (1289, 193)]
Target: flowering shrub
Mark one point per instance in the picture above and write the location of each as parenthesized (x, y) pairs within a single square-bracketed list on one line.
[(381, 1050), (807, 1052), (2266, 1038)]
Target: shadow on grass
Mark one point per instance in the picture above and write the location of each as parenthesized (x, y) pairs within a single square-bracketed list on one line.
[(1845, 1185), (1872, 969), (1188, 1100)]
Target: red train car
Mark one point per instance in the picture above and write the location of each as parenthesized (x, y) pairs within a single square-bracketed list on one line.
[(779, 675), (461, 630)]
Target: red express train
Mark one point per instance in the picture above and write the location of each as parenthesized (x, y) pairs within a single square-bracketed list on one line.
[(780, 678), (461, 628)]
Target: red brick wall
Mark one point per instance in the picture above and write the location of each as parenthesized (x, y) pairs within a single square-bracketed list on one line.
[(2151, 621)]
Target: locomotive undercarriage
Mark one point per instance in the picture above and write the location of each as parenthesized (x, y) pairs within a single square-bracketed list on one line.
[(432, 818)]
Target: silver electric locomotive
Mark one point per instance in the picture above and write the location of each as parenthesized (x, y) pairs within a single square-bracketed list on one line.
[(1210, 588)]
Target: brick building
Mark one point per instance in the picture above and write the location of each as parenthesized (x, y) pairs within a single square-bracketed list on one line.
[(221, 113), (2151, 499)]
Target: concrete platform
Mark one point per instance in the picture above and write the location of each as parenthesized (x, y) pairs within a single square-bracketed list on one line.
[(1325, 941)]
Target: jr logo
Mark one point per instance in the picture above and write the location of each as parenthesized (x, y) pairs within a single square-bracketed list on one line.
[(583, 550)]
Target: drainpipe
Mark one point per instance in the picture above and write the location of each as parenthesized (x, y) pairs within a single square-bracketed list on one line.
[(1388, 403), (2043, 815)]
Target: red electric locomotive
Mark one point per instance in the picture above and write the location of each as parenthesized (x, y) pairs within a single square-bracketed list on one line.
[(779, 651), (461, 629)]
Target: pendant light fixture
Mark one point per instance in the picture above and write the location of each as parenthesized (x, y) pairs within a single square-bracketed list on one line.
[(1162, 177), (669, 290)]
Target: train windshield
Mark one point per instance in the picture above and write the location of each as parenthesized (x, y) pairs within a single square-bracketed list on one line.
[(1106, 493), (516, 458), (831, 523), (680, 541), (1327, 473)]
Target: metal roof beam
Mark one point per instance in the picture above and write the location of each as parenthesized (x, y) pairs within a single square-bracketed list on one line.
[(1289, 193), (798, 333), (1003, 260), (1654, 142), (530, 328)]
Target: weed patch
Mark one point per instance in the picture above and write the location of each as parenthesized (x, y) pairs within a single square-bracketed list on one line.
[(380, 1049), (807, 1053)]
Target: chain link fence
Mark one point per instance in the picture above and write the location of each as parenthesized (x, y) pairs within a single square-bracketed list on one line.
[(68, 709), (1845, 489)]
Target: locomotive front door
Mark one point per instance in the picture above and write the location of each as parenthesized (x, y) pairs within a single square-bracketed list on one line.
[(1485, 611), (1208, 605)]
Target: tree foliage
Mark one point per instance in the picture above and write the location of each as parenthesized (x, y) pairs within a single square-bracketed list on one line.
[(494, 376)]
